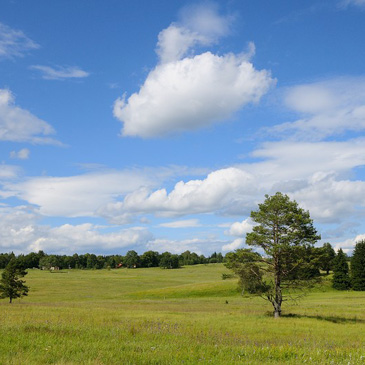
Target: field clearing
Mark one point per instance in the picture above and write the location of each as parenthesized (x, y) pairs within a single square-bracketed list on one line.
[(189, 315)]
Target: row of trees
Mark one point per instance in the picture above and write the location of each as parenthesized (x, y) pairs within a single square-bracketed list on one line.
[(91, 261), (344, 277)]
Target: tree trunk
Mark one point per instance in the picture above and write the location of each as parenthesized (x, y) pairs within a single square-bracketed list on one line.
[(11, 299), (277, 311), (278, 294), (277, 308)]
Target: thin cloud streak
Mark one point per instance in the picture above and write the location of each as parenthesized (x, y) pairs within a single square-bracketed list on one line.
[(60, 72)]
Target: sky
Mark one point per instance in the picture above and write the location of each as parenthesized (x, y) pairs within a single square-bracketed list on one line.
[(160, 125)]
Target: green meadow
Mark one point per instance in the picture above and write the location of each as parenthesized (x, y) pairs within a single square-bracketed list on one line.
[(184, 316)]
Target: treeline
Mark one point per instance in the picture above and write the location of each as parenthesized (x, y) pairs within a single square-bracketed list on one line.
[(91, 261)]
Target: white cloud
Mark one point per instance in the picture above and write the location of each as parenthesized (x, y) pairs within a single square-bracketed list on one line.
[(17, 228), (14, 43), (317, 174), (239, 229), (217, 192), (190, 94), (23, 154), (21, 232), (197, 245), (182, 224), (19, 125), (205, 19), (327, 108), (77, 196), (331, 200), (174, 42), (60, 72), (88, 238), (183, 94), (348, 245), (237, 243), (200, 25), (286, 161), (8, 172)]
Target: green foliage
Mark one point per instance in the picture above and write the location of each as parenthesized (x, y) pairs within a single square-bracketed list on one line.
[(189, 258), (169, 261), (132, 259), (5, 259), (328, 255), (358, 267), (341, 279), (285, 233), (150, 259), (244, 263), (11, 286)]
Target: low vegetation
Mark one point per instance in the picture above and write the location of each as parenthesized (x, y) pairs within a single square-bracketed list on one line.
[(188, 315)]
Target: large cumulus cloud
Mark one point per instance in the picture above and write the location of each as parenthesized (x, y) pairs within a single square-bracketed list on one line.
[(186, 91)]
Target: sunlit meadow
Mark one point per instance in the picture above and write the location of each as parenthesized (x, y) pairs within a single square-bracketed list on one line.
[(189, 315)]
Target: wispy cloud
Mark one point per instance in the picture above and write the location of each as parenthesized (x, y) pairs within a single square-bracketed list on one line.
[(60, 72), (8, 172), (346, 3), (19, 125), (14, 43), (325, 109), (23, 154), (186, 223)]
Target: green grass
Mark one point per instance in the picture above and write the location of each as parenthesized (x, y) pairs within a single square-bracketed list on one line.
[(185, 316)]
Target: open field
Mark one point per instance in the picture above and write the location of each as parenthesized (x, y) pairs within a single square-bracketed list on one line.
[(189, 315)]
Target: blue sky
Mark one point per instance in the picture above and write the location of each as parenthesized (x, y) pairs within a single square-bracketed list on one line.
[(161, 125)]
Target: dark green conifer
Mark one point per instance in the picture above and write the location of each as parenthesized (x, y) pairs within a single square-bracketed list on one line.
[(11, 286), (341, 279), (358, 266)]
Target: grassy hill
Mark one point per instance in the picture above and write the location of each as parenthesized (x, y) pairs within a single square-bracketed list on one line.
[(189, 315)]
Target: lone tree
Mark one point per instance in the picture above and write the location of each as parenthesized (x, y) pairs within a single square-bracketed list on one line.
[(341, 279), (11, 286), (358, 266), (285, 234)]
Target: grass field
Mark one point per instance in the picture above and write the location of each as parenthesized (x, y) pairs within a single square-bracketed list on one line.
[(184, 316)]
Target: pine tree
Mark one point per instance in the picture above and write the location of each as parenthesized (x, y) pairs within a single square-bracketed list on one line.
[(358, 266), (11, 286), (285, 233), (341, 279)]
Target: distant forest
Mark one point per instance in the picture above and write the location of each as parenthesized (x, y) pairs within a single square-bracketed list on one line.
[(90, 261)]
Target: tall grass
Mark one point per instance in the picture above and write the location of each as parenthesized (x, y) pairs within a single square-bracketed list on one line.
[(190, 315)]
